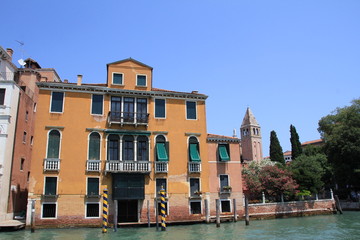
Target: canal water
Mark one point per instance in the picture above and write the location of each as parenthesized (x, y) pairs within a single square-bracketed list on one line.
[(344, 227)]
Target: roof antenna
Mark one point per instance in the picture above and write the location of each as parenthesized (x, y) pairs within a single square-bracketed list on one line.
[(21, 60), (234, 133)]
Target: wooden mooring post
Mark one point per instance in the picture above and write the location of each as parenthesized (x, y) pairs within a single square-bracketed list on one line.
[(157, 214), (217, 212), (247, 219), (148, 212), (207, 212), (235, 214), (116, 206), (32, 220), (337, 204)]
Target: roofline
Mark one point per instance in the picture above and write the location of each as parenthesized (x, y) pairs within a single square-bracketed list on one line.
[(130, 59), (100, 89)]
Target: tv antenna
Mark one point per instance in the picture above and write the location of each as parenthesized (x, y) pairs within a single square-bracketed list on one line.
[(21, 60)]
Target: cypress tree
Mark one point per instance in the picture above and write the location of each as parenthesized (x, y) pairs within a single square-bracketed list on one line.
[(296, 149), (276, 152)]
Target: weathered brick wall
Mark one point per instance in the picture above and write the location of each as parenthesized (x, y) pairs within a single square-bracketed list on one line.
[(299, 208)]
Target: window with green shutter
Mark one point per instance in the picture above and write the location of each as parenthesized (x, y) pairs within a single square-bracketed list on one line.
[(93, 186), (194, 153), (160, 108), (53, 144), (161, 152), (141, 80), (57, 99), (118, 78), (94, 146), (190, 110), (223, 153), (50, 186), (97, 104)]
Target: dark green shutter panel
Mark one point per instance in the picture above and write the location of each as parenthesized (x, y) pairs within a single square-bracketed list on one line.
[(93, 186), (53, 144), (94, 147), (141, 80), (160, 108), (97, 104), (194, 153), (57, 102), (128, 186), (191, 110), (50, 185), (161, 152), (224, 156), (117, 78)]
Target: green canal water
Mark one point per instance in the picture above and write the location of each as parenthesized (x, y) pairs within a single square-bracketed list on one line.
[(346, 226)]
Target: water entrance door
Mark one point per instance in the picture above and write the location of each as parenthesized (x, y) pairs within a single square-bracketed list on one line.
[(127, 211)]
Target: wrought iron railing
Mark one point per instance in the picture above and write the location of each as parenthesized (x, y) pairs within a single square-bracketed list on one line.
[(51, 164), (128, 118), (93, 165), (194, 167), (128, 166), (161, 167)]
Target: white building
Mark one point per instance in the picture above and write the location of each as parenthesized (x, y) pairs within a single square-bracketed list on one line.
[(9, 99)]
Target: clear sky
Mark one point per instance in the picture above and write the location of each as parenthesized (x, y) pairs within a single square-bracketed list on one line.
[(291, 61)]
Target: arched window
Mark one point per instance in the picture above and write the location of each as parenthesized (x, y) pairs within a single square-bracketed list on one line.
[(94, 146), (53, 144), (113, 147), (142, 148), (162, 149), (194, 154), (128, 148)]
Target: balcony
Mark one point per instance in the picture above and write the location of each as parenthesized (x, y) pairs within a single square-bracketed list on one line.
[(225, 190), (128, 118), (93, 165), (161, 167), (128, 167), (194, 167), (52, 164)]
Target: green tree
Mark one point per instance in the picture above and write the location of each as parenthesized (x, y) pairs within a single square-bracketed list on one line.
[(296, 149), (308, 171), (276, 152), (341, 132)]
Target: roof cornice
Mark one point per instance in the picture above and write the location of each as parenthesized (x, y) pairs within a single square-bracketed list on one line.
[(66, 87)]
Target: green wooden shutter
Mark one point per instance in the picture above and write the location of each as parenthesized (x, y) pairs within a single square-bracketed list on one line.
[(50, 185), (162, 155), (53, 144), (93, 186), (94, 147), (194, 153), (224, 156)]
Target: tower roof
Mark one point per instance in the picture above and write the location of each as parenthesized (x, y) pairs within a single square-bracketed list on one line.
[(249, 119)]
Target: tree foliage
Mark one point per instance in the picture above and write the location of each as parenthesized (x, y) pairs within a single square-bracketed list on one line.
[(296, 148), (276, 152), (341, 132), (268, 177)]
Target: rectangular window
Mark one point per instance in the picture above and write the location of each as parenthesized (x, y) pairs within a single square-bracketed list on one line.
[(49, 210), (225, 206), (118, 78), (92, 210), (224, 152), (97, 104), (31, 140), (190, 110), (2, 96), (160, 183), (35, 105), (50, 186), (224, 183), (195, 207), (141, 110), (57, 99), (22, 161), (194, 187), (160, 108), (128, 148), (129, 104), (93, 186), (26, 116), (24, 137), (141, 80)]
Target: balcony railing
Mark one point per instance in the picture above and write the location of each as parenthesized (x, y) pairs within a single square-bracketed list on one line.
[(161, 167), (51, 164), (128, 118), (194, 167), (128, 166), (93, 165)]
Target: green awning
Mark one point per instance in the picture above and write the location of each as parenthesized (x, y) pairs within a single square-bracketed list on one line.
[(161, 152), (194, 153), (224, 156)]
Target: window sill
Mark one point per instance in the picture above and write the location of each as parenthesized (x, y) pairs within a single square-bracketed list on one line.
[(93, 196)]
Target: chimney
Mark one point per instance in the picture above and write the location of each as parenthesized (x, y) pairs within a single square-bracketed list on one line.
[(10, 52), (195, 92), (79, 78), (66, 81)]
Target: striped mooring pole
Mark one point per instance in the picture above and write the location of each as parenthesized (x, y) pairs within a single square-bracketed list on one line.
[(162, 209), (105, 211)]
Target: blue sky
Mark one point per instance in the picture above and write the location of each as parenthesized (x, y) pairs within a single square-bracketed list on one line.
[(292, 62)]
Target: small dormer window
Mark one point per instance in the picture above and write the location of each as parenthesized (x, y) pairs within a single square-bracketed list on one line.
[(141, 80), (118, 78)]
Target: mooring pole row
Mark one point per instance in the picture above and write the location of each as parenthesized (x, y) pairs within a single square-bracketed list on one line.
[(105, 211)]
